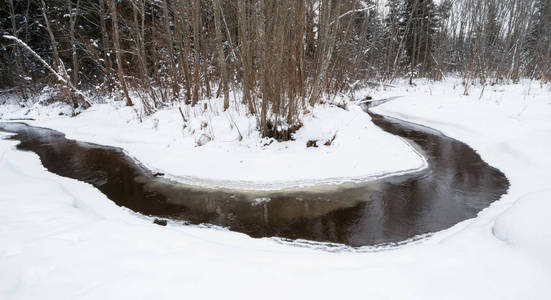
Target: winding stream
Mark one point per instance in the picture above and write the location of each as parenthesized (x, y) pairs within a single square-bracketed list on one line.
[(456, 186)]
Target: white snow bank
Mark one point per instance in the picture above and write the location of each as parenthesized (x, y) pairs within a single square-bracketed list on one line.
[(63, 239), (358, 150), (510, 127), (527, 225)]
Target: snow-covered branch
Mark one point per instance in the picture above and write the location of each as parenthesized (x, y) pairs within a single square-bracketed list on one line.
[(31, 51), (368, 7), (43, 62)]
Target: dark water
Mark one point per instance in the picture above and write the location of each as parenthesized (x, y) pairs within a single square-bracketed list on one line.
[(457, 185)]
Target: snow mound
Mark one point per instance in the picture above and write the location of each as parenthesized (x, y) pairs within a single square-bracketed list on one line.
[(526, 224)]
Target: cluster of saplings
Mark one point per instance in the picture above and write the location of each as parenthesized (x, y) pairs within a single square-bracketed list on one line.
[(276, 58)]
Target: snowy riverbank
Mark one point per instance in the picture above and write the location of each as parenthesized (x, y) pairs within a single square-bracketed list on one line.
[(224, 149), (510, 127), (62, 239)]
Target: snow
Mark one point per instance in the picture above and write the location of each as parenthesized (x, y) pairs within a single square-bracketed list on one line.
[(526, 225), (63, 239), (510, 127), (259, 201), (207, 150)]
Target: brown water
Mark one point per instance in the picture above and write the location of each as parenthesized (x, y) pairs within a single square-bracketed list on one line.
[(456, 186)]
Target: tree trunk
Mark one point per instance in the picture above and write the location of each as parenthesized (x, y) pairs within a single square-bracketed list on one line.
[(196, 12), (180, 28), (105, 40), (51, 34), (170, 47), (245, 58), (221, 58), (74, 56), (113, 7), (17, 54), (58, 64), (139, 32)]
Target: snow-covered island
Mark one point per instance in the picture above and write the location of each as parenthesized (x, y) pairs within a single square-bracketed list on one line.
[(220, 148)]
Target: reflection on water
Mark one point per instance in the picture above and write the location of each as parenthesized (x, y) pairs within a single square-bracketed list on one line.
[(456, 187)]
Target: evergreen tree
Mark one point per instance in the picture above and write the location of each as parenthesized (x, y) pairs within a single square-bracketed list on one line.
[(418, 25), (538, 43)]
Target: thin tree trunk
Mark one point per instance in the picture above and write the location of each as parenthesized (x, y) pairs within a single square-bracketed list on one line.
[(113, 7), (170, 46), (51, 34), (265, 25), (204, 53), (105, 39), (328, 42), (74, 56), (221, 58), (17, 54), (179, 26), (196, 11), (297, 84), (58, 64), (140, 51), (245, 59)]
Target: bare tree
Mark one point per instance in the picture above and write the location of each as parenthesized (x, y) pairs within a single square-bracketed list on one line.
[(73, 14), (220, 53), (170, 47), (122, 80), (17, 54), (102, 12)]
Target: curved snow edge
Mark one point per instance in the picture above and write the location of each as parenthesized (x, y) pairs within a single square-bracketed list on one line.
[(256, 186)]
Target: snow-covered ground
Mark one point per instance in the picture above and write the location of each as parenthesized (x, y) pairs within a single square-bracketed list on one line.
[(510, 127), (62, 239), (224, 149)]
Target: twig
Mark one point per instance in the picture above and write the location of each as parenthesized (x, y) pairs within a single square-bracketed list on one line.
[(182, 114)]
